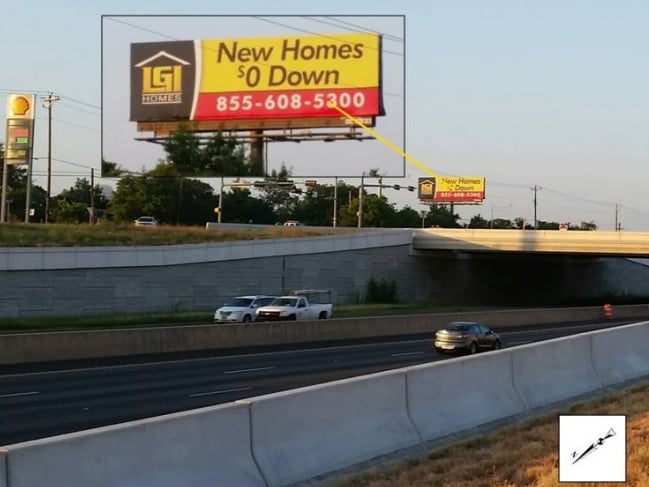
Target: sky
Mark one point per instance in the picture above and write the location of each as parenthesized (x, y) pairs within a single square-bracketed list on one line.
[(549, 94)]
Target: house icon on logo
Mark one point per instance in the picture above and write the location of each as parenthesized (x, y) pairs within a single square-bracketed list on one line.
[(426, 188), (162, 78)]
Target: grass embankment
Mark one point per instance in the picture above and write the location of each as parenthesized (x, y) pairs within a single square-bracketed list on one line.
[(524, 455), (51, 323), (108, 234)]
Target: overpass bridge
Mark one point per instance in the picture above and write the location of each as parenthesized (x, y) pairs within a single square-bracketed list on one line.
[(567, 243)]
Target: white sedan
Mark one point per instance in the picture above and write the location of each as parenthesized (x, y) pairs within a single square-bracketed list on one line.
[(241, 309)]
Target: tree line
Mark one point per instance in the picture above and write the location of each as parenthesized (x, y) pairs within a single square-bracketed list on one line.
[(172, 194)]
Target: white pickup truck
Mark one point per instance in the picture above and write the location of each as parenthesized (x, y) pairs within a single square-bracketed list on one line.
[(298, 305)]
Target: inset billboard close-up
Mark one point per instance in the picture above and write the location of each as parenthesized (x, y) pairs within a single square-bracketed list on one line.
[(452, 189), (258, 78), (263, 83)]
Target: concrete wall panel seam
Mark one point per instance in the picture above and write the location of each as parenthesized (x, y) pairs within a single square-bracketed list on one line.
[(4, 468), (252, 447), (592, 362), (408, 409), (526, 406)]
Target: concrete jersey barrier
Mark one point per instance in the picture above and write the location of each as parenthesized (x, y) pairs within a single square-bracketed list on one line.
[(3, 468), (207, 447), (64, 345), (299, 434), (291, 436), (621, 354), (554, 370), (451, 396)]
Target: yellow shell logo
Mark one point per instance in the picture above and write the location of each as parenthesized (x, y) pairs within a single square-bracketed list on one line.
[(20, 105)]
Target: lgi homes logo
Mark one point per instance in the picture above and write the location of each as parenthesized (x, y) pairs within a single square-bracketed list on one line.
[(162, 79)]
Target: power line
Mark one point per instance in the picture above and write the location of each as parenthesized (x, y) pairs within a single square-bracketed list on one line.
[(74, 100), (353, 28), (151, 31), (80, 109), (324, 36), (67, 122)]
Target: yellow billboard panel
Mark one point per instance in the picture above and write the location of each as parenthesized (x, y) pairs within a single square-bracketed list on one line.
[(290, 63), (452, 189), (461, 183)]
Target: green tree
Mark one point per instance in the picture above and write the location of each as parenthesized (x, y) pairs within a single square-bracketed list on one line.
[(111, 169), (501, 223), (442, 216), (239, 206), (409, 218), (477, 221), (279, 194), (217, 156), (71, 205), (588, 226), (315, 207), (377, 212), (162, 193), (542, 225)]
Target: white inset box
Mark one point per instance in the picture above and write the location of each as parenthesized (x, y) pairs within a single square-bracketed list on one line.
[(592, 448)]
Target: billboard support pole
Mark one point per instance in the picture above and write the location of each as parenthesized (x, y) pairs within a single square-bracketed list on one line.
[(257, 151)]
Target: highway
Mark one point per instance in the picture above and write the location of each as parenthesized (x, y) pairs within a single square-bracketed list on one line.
[(48, 399)]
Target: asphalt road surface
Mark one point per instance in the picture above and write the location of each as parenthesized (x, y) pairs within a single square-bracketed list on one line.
[(42, 400)]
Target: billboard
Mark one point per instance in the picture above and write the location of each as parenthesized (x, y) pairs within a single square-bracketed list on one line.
[(452, 189), (20, 128), (265, 78)]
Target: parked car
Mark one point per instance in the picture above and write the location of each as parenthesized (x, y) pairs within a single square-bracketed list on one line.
[(307, 304), (466, 336), (145, 221), (293, 223), (241, 309)]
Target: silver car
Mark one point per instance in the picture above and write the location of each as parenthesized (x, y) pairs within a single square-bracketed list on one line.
[(466, 336)]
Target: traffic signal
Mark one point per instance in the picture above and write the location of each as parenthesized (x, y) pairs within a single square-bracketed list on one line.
[(397, 186), (411, 188)]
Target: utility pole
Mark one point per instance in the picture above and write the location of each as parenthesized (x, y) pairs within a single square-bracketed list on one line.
[(617, 217), (360, 201), (92, 196), (335, 201), (535, 189), (220, 212), (48, 101)]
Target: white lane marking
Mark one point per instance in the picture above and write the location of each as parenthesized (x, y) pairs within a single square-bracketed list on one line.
[(405, 353), (20, 394), (285, 352), (241, 371), (559, 328), (224, 391)]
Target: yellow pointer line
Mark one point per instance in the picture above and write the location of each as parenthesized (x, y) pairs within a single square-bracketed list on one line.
[(408, 157)]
